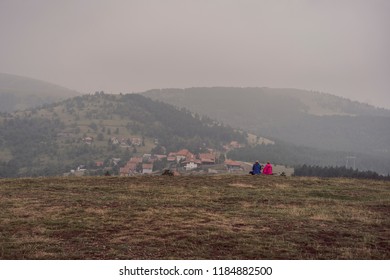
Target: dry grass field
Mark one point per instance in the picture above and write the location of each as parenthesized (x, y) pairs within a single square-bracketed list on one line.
[(194, 217)]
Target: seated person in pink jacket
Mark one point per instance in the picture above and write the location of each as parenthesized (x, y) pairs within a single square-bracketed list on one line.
[(267, 169)]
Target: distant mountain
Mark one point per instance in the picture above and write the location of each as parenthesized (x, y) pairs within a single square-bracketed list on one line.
[(80, 131), (55, 138), (299, 117), (19, 93), (264, 101)]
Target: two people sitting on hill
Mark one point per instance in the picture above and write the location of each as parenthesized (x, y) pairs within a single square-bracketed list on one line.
[(256, 169)]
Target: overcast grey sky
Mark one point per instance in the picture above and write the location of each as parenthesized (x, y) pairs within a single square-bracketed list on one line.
[(335, 46)]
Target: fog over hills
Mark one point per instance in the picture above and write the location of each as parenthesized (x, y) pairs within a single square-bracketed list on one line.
[(300, 117), (307, 127), (19, 93), (334, 46)]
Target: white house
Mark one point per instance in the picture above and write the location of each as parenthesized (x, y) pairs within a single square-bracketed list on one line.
[(147, 168), (190, 165)]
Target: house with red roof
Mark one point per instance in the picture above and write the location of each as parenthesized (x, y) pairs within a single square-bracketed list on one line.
[(129, 169), (136, 159), (147, 168), (232, 165), (207, 158)]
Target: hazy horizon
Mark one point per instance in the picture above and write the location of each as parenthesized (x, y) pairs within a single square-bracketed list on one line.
[(337, 47)]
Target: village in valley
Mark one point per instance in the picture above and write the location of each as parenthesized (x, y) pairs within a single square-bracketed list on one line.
[(181, 162)]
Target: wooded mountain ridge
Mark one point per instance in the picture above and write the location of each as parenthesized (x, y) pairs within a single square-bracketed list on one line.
[(299, 117), (55, 138), (307, 127)]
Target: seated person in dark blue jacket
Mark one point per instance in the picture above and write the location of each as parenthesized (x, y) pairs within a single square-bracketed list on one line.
[(256, 168)]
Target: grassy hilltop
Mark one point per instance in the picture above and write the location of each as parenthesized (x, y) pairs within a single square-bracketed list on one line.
[(194, 217)]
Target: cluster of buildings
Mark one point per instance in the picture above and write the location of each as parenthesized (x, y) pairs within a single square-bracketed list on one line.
[(140, 165), (189, 161), (126, 142), (181, 160)]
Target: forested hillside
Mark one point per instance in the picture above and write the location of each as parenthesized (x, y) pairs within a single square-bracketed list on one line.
[(55, 138), (308, 127), (299, 117), (331, 171), (52, 139)]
